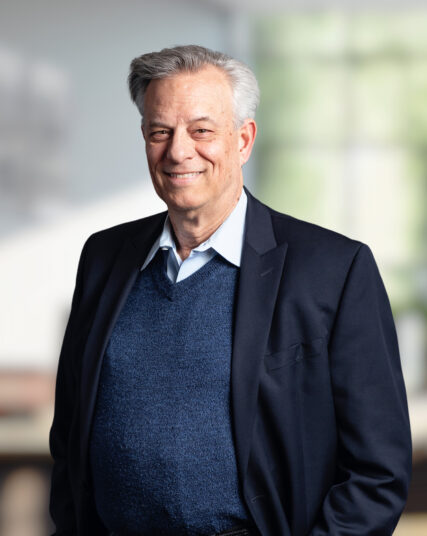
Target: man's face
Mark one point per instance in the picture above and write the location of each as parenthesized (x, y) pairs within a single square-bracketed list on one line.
[(193, 150)]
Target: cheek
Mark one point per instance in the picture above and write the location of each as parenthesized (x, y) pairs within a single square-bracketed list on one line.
[(154, 155), (209, 152), (218, 155)]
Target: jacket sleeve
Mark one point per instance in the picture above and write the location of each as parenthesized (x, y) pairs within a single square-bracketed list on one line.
[(374, 443), (62, 507)]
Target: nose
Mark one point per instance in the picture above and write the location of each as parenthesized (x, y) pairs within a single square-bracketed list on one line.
[(180, 147)]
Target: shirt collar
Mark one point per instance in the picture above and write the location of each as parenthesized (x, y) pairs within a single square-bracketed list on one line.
[(227, 240)]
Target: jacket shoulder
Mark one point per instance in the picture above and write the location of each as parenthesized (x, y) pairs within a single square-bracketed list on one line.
[(108, 241), (128, 229), (102, 247), (304, 235), (313, 248)]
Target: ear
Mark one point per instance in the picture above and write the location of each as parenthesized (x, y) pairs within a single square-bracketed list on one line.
[(246, 133), (142, 130)]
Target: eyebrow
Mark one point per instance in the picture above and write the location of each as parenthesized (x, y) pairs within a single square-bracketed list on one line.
[(157, 124), (194, 120)]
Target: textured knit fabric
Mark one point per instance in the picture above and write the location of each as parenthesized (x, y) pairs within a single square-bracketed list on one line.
[(162, 453)]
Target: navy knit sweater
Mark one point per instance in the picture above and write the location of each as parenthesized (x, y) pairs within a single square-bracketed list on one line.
[(162, 453)]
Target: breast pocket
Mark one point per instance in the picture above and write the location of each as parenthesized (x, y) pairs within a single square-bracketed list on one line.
[(294, 354)]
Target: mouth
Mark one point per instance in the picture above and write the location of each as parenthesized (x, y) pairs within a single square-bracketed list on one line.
[(187, 175)]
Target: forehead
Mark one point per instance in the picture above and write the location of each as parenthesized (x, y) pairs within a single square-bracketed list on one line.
[(204, 93)]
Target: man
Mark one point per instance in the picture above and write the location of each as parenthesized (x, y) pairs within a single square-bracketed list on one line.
[(226, 369)]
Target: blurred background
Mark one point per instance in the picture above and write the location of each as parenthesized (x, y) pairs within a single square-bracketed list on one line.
[(342, 143)]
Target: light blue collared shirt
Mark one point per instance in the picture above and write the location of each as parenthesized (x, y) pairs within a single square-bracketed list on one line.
[(227, 241)]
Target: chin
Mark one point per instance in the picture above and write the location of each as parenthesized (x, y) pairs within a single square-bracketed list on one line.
[(183, 202)]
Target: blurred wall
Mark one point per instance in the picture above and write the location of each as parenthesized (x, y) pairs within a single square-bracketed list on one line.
[(89, 45)]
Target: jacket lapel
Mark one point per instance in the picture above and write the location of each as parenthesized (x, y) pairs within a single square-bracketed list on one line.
[(260, 274), (120, 281)]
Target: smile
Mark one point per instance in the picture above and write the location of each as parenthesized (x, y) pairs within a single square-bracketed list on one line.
[(184, 175)]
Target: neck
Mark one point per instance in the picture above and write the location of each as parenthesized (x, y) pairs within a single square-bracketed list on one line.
[(193, 228)]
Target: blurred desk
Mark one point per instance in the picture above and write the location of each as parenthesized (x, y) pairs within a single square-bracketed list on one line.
[(418, 415), (412, 525)]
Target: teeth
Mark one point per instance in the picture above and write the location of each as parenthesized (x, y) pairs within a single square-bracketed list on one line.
[(183, 175)]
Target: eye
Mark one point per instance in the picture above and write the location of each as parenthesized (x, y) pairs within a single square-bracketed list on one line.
[(159, 134), (202, 132)]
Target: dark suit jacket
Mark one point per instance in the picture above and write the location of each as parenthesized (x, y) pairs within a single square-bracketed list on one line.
[(318, 402)]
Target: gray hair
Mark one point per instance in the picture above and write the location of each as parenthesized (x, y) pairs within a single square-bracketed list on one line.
[(191, 58)]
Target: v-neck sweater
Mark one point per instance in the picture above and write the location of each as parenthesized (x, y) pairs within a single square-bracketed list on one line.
[(162, 451)]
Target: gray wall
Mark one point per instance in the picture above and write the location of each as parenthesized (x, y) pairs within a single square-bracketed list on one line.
[(90, 44)]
